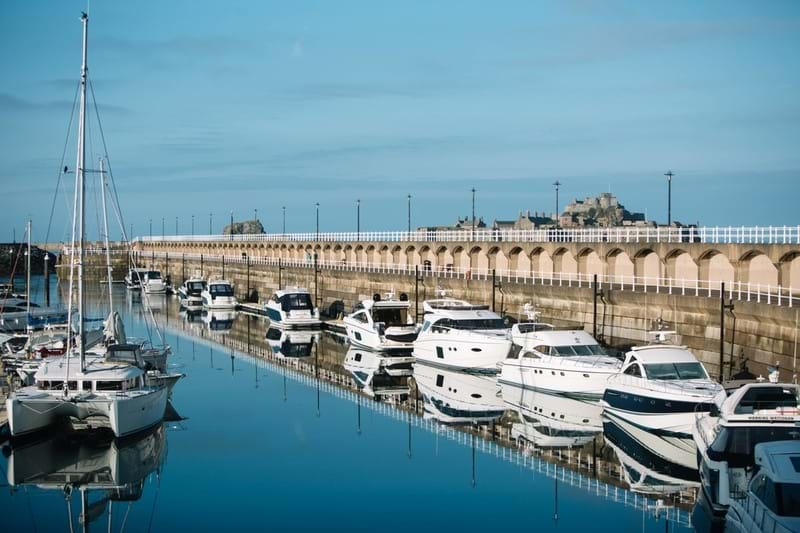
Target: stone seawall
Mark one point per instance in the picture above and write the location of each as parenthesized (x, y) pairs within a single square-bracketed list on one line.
[(764, 334)]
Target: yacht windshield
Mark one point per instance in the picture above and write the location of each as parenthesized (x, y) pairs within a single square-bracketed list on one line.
[(737, 445), (578, 349), (390, 317), (674, 371), (220, 290), (297, 301), (154, 275), (196, 286)]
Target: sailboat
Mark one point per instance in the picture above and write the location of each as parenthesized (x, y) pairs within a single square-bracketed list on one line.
[(81, 384)]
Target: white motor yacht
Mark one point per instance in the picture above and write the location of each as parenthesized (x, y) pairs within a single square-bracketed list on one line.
[(292, 344), (382, 324), (454, 397), (772, 500), (292, 308), (218, 294), (725, 437), (569, 362), (135, 278), (457, 334), (191, 293), (660, 387), (549, 420), (379, 375), (153, 283)]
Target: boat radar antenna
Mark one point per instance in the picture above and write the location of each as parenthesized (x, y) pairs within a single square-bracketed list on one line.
[(530, 312), (660, 334)]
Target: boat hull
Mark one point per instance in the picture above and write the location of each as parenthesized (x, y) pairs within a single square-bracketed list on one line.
[(666, 415), (577, 381), (470, 353)]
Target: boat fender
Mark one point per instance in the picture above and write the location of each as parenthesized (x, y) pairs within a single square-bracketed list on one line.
[(376, 297), (403, 297)]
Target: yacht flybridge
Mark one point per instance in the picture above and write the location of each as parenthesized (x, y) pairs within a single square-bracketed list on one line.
[(292, 308), (191, 292), (460, 335), (81, 384), (660, 387), (218, 294), (382, 324), (153, 283), (569, 362)]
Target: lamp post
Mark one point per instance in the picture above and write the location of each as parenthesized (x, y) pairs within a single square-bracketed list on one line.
[(358, 219), (409, 216), (557, 184), (317, 205), (151, 229), (163, 222), (231, 224), (176, 225), (473, 213), (210, 222), (669, 175), (284, 220), (192, 225)]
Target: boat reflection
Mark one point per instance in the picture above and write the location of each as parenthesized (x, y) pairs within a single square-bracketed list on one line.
[(652, 464), (219, 321), (378, 375), (551, 421), (94, 462), (292, 344), (454, 397)]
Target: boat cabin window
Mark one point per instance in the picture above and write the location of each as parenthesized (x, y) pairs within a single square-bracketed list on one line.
[(426, 325), (295, 302), (107, 385), (783, 499), (154, 274), (390, 317), (736, 446), (767, 398), (580, 349), (361, 317), (196, 286), (674, 371), (634, 370), (220, 290), (478, 323)]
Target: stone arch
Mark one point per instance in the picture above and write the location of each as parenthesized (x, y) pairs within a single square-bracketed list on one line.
[(478, 259), (384, 255), (349, 255), (681, 268), (460, 258), (284, 252), (518, 261), (327, 253), (647, 267), (541, 262), (427, 259), (497, 259), (589, 263), (338, 253), (620, 266), (790, 271), (371, 255), (359, 255), (412, 256), (564, 264), (444, 259), (757, 269), (715, 267), (397, 251)]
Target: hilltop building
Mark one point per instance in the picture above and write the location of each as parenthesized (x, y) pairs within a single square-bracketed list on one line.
[(603, 210), (461, 224)]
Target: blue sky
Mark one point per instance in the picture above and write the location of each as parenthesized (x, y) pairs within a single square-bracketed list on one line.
[(211, 106)]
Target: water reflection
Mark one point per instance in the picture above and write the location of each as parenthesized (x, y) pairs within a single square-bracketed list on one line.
[(378, 375), (652, 464), (292, 343), (454, 397), (551, 421), (219, 321), (101, 469)]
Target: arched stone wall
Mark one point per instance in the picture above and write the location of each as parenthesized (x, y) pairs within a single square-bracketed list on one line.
[(681, 268), (589, 263), (647, 267), (541, 262), (757, 269), (715, 267), (620, 266)]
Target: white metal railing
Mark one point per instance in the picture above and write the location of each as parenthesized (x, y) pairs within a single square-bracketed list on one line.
[(734, 290), (624, 234)]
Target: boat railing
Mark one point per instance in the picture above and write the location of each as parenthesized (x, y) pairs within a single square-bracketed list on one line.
[(660, 385)]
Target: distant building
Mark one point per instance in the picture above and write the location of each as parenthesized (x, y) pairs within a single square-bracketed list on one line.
[(526, 221), (248, 227), (603, 210), (461, 224)]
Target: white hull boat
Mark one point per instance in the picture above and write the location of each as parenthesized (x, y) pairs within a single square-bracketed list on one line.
[(292, 308), (382, 325)]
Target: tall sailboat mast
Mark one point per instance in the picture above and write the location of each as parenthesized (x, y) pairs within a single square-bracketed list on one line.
[(106, 238), (80, 170), (28, 275)]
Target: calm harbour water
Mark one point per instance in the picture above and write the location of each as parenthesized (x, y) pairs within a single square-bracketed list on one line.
[(270, 442)]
